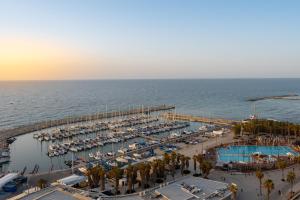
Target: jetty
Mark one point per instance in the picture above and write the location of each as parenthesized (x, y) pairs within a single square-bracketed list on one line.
[(191, 118), (24, 129), (286, 97)]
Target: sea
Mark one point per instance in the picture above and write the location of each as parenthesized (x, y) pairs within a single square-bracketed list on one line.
[(24, 102)]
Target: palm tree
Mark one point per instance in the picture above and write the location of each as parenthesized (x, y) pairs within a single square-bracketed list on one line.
[(200, 159), (161, 167), (42, 183), (147, 174), (178, 157), (116, 174), (142, 171), (291, 176), (269, 186), (129, 174), (134, 176), (167, 158), (297, 159), (182, 164), (102, 179), (173, 157), (206, 166), (187, 162), (260, 176), (195, 163), (281, 164), (93, 175), (173, 163), (233, 189), (154, 166)]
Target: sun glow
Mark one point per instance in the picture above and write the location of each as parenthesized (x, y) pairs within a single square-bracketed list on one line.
[(38, 60)]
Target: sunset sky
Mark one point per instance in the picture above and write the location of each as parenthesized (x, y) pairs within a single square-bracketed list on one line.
[(70, 39)]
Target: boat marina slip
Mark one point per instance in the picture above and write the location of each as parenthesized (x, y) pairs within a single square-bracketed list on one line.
[(23, 129), (95, 139)]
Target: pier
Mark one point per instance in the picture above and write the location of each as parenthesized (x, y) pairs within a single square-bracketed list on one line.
[(191, 118), (24, 129)]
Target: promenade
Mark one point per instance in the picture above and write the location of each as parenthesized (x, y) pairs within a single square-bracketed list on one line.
[(191, 118)]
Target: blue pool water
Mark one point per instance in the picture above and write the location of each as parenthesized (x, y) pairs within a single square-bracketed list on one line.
[(243, 153)]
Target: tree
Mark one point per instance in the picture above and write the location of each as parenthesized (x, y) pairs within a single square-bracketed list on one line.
[(297, 159), (134, 176), (102, 179), (187, 162), (173, 157), (94, 175), (269, 186), (260, 176), (206, 166), (173, 163), (116, 173), (154, 166), (161, 169), (147, 174), (167, 158), (182, 164), (233, 189), (267, 126), (42, 183), (178, 157), (281, 164), (129, 175), (237, 129), (200, 159), (142, 171), (195, 163), (291, 176)]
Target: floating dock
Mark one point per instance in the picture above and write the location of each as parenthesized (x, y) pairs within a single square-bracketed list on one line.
[(24, 129)]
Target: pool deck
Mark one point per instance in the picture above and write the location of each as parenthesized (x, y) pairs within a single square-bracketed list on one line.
[(243, 153)]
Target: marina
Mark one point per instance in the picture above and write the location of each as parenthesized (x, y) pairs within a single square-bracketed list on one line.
[(115, 141), (13, 132)]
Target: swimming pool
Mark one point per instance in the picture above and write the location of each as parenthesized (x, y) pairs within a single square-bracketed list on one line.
[(243, 153)]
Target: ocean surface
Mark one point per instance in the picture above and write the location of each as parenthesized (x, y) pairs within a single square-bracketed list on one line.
[(32, 101), (26, 102)]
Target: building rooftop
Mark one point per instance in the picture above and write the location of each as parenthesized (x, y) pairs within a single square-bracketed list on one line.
[(50, 194), (194, 188)]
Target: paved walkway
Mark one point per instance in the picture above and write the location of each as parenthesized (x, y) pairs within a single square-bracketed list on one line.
[(189, 149)]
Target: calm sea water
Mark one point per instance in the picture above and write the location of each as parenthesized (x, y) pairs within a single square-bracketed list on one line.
[(27, 102)]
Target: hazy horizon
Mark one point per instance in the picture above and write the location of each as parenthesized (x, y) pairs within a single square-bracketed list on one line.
[(145, 79), (138, 39)]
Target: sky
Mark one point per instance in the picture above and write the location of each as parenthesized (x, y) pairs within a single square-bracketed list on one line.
[(141, 39)]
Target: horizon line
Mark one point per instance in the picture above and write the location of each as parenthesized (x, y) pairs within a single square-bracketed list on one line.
[(124, 79)]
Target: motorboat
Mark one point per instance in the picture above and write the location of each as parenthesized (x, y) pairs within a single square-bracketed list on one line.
[(4, 156), (91, 155), (203, 128), (121, 160), (123, 150)]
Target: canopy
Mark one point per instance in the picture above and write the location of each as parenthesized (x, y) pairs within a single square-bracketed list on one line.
[(72, 180), (7, 178)]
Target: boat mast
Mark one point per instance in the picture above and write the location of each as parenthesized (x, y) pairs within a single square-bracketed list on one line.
[(72, 162)]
